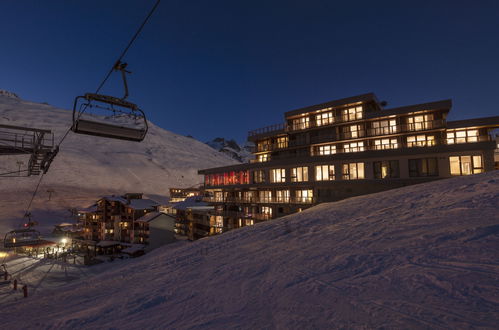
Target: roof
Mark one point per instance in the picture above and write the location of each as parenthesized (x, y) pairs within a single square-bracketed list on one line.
[(190, 202), (369, 97), (437, 105), (89, 209), (149, 217), (480, 122), (108, 243), (141, 204), (114, 198)]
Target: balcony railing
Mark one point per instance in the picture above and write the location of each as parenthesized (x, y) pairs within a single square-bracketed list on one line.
[(261, 200), (268, 129)]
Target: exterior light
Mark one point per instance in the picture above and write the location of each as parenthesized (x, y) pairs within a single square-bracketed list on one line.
[(64, 241)]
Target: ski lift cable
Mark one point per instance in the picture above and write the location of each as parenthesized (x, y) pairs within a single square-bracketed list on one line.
[(123, 53)]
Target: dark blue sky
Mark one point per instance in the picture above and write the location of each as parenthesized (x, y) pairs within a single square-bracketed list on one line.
[(220, 68)]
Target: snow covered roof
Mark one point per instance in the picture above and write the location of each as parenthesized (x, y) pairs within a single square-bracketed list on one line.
[(140, 204), (108, 243), (190, 202), (89, 209), (149, 216)]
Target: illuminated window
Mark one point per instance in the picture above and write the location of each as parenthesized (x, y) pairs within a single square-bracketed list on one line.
[(282, 142), (353, 171), (299, 174), (353, 131), (462, 136), (265, 196), (423, 167), (353, 147), (249, 222), (465, 165), (258, 176), (418, 123), (263, 158), (422, 140), (263, 145), (384, 127), (267, 210), (324, 118), (354, 113), (381, 144), (327, 149), (282, 196), (278, 175), (301, 123), (249, 196), (304, 196), (386, 169), (324, 172)]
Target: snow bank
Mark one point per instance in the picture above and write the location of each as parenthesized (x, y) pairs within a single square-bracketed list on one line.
[(423, 256)]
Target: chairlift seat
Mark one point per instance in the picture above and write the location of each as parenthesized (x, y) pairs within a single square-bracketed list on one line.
[(21, 237)]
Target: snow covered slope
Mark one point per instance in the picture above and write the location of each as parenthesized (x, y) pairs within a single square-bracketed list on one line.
[(90, 166), (232, 149), (423, 256)]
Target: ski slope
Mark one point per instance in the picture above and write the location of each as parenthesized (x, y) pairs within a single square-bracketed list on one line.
[(88, 166), (418, 257)]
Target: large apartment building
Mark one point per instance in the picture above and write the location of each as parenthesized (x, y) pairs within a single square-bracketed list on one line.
[(343, 148)]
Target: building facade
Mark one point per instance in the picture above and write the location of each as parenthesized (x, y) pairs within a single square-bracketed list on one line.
[(344, 148)]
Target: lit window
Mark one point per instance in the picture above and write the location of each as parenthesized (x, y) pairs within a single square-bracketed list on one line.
[(299, 174), (353, 171), (324, 118), (350, 114), (278, 175), (259, 176), (263, 158), (324, 172), (353, 131), (462, 136), (304, 196), (422, 140), (381, 144), (353, 147), (282, 142), (418, 123), (423, 167), (386, 169), (265, 196), (282, 196), (324, 150), (465, 165), (301, 123), (384, 127), (263, 145)]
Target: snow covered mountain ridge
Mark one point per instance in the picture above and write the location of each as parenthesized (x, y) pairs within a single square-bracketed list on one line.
[(8, 94), (89, 166), (232, 149)]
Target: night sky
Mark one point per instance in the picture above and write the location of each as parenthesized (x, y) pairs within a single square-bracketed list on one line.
[(221, 68)]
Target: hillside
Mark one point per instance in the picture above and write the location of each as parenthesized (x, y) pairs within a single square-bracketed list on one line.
[(89, 166), (423, 256)]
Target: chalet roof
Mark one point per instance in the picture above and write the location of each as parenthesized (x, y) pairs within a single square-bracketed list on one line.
[(142, 204), (475, 122), (437, 105), (369, 97), (89, 209), (190, 202), (149, 217), (114, 198)]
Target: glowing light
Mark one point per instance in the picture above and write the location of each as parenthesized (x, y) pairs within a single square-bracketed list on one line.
[(64, 241), (3, 254)]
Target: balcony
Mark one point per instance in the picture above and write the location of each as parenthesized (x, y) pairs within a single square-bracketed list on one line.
[(268, 129), (262, 200)]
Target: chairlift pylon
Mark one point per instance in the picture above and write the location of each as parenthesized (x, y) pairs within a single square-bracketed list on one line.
[(124, 120)]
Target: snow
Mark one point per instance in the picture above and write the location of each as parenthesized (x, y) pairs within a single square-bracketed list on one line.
[(88, 167), (423, 256)]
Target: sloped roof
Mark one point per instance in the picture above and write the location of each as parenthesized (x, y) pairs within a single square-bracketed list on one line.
[(190, 202), (149, 216), (141, 204)]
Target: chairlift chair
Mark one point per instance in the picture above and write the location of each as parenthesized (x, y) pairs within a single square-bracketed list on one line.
[(21, 237), (132, 125)]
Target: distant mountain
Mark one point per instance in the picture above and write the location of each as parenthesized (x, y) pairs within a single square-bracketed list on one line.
[(232, 149), (89, 166)]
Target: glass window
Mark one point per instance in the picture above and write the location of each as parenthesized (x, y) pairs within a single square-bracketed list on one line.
[(299, 174), (324, 118), (389, 143), (353, 131), (350, 114), (263, 158), (278, 175), (422, 140), (465, 165), (462, 136), (384, 127), (282, 196), (282, 142), (353, 171), (353, 147), (327, 149), (263, 145), (418, 123), (304, 196), (324, 172), (258, 176), (423, 167), (301, 123), (265, 196), (386, 169)]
